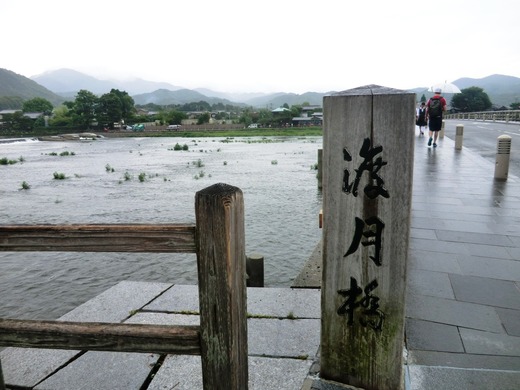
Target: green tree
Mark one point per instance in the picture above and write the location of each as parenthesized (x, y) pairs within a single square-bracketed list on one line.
[(246, 117), (203, 118), (61, 116), (38, 104), (109, 110), (17, 122), (470, 100), (423, 98), (515, 106), (127, 104), (265, 117), (85, 107)]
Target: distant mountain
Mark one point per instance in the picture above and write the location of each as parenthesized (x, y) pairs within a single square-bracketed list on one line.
[(166, 97), (68, 82), (279, 99), (234, 97), (502, 90), (15, 85)]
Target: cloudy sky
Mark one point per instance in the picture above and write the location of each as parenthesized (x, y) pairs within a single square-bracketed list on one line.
[(267, 45)]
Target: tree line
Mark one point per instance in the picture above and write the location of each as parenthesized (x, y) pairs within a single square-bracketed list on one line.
[(117, 108)]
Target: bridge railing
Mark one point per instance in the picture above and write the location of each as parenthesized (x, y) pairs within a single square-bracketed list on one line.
[(487, 116), (218, 239)]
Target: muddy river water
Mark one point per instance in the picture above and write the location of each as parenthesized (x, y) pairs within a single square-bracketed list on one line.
[(144, 180)]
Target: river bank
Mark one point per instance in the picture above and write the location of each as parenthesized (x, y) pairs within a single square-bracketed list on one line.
[(186, 132)]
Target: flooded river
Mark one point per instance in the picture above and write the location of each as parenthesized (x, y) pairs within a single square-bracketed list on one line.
[(144, 180)]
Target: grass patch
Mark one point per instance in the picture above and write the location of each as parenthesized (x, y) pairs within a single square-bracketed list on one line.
[(180, 147), (59, 176), (6, 161), (198, 163)]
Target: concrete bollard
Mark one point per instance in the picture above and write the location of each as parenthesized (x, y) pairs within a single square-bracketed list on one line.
[(441, 133), (255, 270), (458, 136), (502, 157)]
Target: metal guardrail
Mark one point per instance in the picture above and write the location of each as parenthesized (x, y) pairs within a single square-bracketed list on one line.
[(488, 116)]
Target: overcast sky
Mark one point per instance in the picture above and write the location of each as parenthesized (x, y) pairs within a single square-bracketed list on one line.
[(267, 45)]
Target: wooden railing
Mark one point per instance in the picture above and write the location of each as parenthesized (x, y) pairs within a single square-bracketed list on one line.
[(493, 116), (218, 239)]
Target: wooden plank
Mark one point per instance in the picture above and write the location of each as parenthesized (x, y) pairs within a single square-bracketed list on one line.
[(368, 169), (98, 336), (178, 238), (221, 258)]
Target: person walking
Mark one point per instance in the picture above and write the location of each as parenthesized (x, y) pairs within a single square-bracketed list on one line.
[(434, 109), (420, 118)]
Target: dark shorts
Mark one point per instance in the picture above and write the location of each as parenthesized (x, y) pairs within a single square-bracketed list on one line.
[(435, 123)]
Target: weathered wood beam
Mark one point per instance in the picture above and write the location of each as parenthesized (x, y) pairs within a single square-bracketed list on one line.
[(98, 336), (178, 238)]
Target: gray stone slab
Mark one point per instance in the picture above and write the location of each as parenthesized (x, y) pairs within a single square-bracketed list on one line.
[(433, 261), (116, 303), (311, 272), (488, 251), (447, 311), (514, 253), (443, 378), (27, 367), (176, 299), (185, 373), (432, 336), (486, 291), (463, 360), (516, 238), (438, 246), (280, 302), (149, 318), (103, 370), (474, 238), (276, 302), (444, 215), (427, 234), (436, 284), (266, 336), (488, 267), (488, 343), (283, 338), (511, 320)]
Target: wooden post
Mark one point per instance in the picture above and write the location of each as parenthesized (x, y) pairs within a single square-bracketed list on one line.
[(255, 270), (2, 383), (368, 168), (320, 169), (219, 212)]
